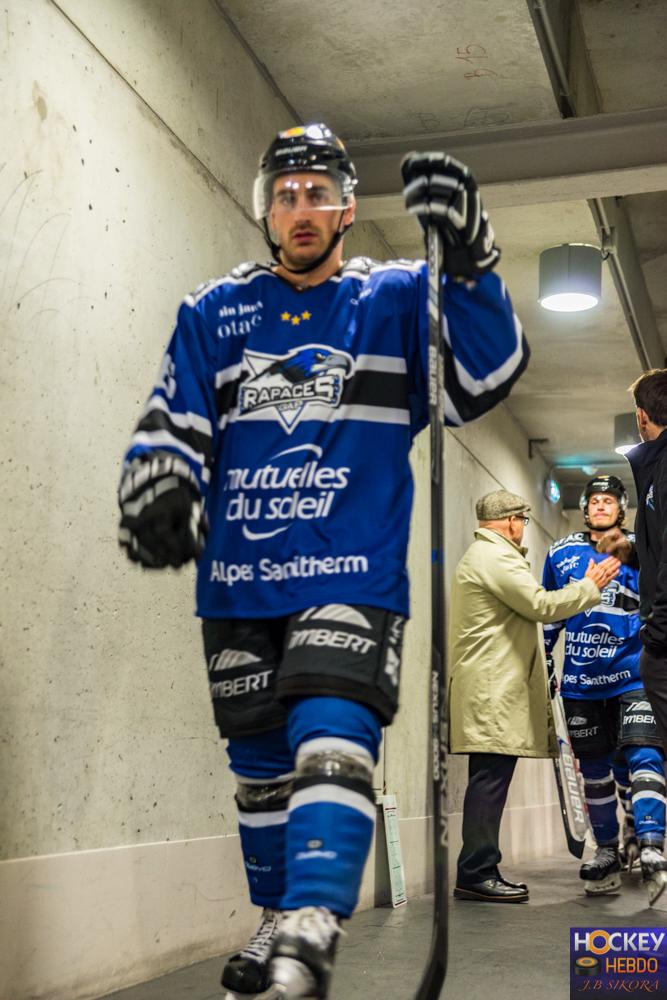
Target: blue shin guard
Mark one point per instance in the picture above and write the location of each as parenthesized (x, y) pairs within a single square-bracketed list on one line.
[(331, 809), (600, 789), (263, 767), (647, 773)]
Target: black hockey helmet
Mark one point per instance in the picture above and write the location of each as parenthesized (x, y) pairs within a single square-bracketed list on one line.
[(304, 149), (604, 484)]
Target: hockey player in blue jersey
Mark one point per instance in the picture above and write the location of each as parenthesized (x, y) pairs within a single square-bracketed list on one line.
[(610, 721), (287, 403)]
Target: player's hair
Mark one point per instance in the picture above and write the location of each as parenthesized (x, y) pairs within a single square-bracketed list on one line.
[(650, 392)]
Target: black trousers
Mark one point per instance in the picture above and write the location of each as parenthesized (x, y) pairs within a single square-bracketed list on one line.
[(489, 777), (653, 672)]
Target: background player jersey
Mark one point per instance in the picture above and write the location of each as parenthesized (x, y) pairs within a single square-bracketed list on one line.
[(602, 645), (297, 409)]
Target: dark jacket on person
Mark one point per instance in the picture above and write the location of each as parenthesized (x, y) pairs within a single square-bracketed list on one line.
[(649, 467)]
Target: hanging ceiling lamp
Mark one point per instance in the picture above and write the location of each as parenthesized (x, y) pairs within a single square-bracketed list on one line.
[(570, 277)]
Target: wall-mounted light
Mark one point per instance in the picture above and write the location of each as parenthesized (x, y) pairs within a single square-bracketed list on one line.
[(626, 435), (570, 277), (551, 489)]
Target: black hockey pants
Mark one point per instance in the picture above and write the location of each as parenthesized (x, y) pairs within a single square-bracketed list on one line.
[(654, 676)]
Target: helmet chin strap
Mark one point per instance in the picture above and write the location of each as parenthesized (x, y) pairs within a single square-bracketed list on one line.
[(276, 248)]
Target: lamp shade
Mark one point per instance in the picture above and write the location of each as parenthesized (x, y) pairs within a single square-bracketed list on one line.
[(570, 277), (626, 435)]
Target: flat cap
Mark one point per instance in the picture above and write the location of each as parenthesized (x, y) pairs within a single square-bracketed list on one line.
[(499, 504)]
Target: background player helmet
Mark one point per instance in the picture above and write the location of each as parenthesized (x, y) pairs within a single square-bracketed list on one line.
[(604, 484), (307, 148)]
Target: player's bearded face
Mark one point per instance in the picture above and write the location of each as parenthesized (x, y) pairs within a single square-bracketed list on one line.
[(603, 510), (306, 212)]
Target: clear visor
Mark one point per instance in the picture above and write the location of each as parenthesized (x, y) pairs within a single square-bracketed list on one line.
[(321, 191)]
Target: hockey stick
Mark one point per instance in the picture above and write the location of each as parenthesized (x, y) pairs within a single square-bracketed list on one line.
[(436, 967), (568, 781)]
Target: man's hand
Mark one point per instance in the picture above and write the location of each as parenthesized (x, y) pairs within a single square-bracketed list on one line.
[(163, 522), (439, 189), (616, 543), (602, 572)]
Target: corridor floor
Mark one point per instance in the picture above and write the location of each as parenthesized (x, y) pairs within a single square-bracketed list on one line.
[(496, 952)]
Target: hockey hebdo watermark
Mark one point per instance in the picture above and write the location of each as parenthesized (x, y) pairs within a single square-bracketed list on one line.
[(613, 961)]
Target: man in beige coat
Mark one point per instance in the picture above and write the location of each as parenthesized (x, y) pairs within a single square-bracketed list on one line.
[(499, 706)]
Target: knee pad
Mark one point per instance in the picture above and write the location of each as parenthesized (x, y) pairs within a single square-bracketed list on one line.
[(262, 796), (647, 784), (338, 773), (647, 769), (334, 758), (600, 791)]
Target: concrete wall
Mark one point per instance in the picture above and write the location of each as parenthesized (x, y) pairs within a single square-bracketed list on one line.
[(134, 128), (489, 454)]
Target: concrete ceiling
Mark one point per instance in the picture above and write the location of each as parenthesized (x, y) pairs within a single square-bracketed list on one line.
[(494, 83)]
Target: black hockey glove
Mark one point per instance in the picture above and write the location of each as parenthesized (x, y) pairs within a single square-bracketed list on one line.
[(163, 522), (551, 673), (441, 191)]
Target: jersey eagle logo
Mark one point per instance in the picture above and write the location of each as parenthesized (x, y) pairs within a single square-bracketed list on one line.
[(289, 384)]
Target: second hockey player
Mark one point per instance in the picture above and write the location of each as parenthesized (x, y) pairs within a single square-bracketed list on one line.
[(610, 720)]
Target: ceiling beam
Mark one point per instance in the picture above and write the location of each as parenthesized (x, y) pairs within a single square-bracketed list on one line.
[(613, 225), (603, 155), (577, 93)]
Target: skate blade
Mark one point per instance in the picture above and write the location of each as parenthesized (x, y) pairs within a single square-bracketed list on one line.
[(631, 859), (656, 886), (292, 980), (233, 995), (275, 992), (612, 883)]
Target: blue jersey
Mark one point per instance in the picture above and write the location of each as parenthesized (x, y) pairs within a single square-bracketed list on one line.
[(297, 409), (602, 645)]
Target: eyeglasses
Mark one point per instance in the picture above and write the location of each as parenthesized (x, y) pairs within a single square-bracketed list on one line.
[(519, 517)]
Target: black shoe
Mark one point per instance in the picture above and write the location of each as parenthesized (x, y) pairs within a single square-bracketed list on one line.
[(491, 890), (512, 885)]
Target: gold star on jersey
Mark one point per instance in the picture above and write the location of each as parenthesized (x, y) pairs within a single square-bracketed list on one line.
[(295, 319)]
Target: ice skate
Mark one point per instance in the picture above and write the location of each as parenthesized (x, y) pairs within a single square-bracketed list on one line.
[(602, 873), (303, 955), (630, 855), (629, 849), (246, 975), (654, 870)]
